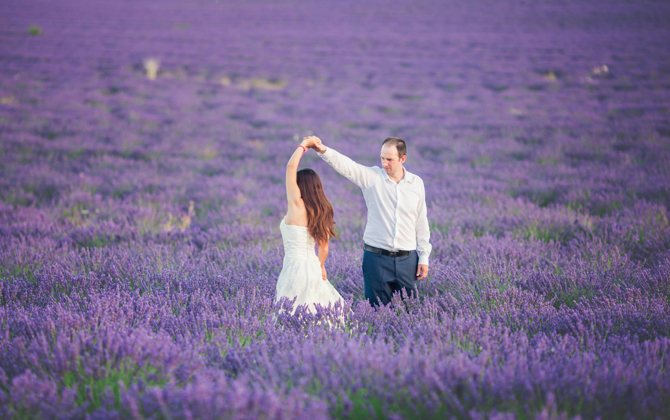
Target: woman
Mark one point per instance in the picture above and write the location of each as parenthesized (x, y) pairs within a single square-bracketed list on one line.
[(308, 223)]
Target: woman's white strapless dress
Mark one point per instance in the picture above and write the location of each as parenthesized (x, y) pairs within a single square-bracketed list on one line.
[(300, 277)]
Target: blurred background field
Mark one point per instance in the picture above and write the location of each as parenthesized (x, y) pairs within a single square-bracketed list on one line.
[(142, 155)]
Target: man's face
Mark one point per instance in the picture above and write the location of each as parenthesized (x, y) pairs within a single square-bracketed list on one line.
[(391, 163)]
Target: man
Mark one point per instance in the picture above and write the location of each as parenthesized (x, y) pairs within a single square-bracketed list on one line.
[(396, 233)]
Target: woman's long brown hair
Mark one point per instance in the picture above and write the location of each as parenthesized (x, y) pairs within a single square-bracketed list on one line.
[(320, 214)]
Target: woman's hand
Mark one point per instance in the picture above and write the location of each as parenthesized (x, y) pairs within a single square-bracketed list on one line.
[(323, 273)]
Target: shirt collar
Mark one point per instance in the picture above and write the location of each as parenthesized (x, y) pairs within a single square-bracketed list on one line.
[(409, 177)]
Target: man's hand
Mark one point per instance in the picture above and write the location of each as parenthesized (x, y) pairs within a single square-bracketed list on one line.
[(421, 272), (318, 145), (323, 273)]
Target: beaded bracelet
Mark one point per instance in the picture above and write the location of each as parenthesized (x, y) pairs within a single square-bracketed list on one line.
[(303, 148)]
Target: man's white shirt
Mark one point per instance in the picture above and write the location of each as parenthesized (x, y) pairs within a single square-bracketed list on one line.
[(397, 217)]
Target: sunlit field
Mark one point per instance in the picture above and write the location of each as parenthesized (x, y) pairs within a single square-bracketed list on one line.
[(143, 147)]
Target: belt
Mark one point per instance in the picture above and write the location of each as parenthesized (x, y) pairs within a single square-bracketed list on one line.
[(385, 252)]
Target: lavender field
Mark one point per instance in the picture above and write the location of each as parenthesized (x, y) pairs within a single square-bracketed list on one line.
[(143, 147)]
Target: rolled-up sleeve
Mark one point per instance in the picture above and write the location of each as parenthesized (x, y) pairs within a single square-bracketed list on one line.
[(423, 229)]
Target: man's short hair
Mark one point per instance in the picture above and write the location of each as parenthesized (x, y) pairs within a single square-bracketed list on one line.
[(398, 143)]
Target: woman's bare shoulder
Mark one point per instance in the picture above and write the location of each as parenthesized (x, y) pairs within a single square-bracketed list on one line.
[(296, 214)]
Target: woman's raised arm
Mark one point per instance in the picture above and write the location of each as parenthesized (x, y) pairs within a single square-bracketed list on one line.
[(292, 190)]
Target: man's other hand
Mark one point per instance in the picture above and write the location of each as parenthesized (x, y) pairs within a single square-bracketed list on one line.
[(421, 272)]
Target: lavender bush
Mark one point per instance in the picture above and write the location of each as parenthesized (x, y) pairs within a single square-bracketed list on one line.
[(142, 152)]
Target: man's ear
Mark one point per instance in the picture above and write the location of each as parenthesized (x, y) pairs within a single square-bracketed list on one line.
[(402, 159)]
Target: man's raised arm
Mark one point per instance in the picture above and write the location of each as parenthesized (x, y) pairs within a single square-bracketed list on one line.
[(363, 176)]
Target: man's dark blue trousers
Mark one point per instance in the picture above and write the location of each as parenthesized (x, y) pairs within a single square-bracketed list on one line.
[(385, 275)]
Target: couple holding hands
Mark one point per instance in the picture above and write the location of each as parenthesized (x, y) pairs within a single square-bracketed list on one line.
[(396, 238)]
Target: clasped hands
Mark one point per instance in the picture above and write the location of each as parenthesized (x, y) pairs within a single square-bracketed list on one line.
[(312, 142)]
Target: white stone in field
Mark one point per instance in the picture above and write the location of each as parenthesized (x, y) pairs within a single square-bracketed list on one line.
[(151, 66)]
